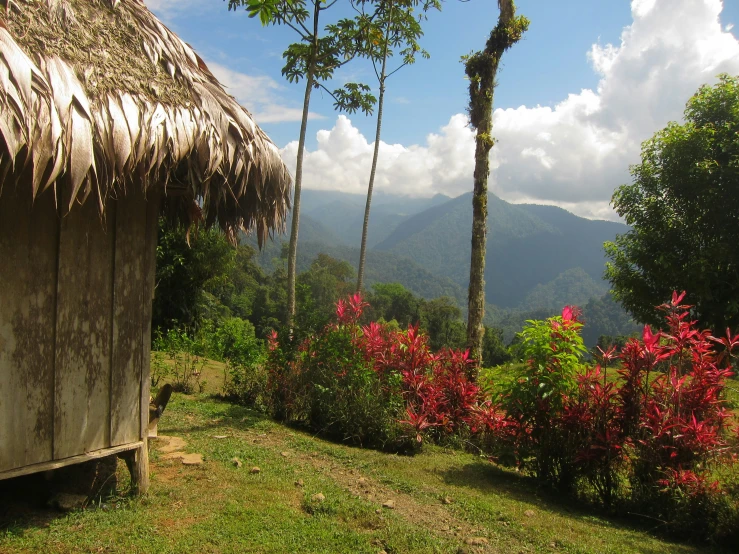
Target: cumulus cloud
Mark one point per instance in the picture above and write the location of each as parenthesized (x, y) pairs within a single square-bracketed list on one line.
[(343, 156), (258, 94), (573, 154)]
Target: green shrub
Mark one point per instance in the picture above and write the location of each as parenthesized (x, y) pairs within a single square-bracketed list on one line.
[(552, 351), (159, 367), (184, 353), (333, 390)]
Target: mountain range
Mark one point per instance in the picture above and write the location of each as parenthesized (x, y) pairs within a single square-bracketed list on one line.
[(539, 258)]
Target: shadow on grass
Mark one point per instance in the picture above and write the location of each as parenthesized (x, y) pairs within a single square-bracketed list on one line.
[(490, 479), (226, 414), (36, 500)]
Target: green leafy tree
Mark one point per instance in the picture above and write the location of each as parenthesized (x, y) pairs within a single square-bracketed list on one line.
[(327, 280), (392, 301), (186, 272), (481, 69), (494, 351), (315, 58), (683, 207), (396, 29), (441, 318)]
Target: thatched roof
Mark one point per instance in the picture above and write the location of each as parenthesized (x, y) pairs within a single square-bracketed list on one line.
[(98, 95)]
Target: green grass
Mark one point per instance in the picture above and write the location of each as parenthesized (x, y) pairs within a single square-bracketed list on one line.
[(218, 507)]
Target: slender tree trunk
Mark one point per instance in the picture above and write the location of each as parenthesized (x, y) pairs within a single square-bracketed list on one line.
[(363, 250), (476, 298), (481, 69), (292, 256)]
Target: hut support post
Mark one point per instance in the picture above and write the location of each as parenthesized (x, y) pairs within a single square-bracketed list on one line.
[(137, 461)]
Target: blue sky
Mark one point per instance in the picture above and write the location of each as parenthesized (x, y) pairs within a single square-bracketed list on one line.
[(588, 83)]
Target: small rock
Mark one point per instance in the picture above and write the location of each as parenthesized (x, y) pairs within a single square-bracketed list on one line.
[(284, 454), (378, 511), (529, 513), (389, 504), (382, 552), (361, 481), (318, 497), (476, 541), (553, 544), (235, 461), (255, 470), (192, 459), (446, 500), (299, 483)]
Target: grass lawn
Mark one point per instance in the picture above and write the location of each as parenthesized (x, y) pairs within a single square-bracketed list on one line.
[(442, 500)]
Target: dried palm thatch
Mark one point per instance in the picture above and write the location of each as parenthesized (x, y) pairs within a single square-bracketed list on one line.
[(98, 95)]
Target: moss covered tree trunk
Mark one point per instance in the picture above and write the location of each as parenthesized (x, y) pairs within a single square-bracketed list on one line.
[(481, 69)]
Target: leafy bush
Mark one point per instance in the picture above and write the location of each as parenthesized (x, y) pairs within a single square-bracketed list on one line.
[(494, 351), (185, 354), (328, 384), (653, 437), (372, 385), (535, 401), (159, 367)]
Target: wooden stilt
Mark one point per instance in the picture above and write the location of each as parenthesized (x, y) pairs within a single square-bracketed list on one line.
[(137, 462)]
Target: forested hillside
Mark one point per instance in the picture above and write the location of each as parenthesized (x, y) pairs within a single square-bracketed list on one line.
[(540, 258), (528, 247)]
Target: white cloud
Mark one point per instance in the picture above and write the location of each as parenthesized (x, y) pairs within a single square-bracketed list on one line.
[(573, 154), (343, 156), (260, 95)]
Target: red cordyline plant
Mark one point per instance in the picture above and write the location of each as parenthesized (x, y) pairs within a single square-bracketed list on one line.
[(664, 411), (433, 388), (674, 409), (436, 389)]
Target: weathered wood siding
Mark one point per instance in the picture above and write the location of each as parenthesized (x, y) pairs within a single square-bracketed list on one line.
[(83, 332), (28, 239), (128, 320), (75, 320)]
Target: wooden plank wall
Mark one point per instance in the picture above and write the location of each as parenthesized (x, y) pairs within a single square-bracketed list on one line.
[(27, 323), (75, 326), (83, 331), (150, 259), (130, 236)]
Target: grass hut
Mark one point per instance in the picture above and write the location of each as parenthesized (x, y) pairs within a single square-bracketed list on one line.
[(106, 118)]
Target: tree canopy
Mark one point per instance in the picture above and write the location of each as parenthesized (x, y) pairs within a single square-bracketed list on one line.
[(683, 207)]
